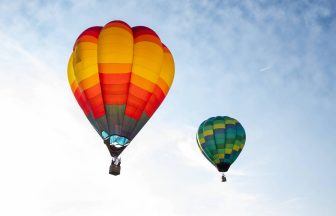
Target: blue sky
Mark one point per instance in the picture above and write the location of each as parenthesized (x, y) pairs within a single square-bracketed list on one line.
[(269, 64)]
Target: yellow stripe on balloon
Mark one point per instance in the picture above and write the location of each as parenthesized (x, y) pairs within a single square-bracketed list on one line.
[(219, 126), (142, 83), (147, 61), (85, 61), (85, 71), (167, 71), (90, 81), (228, 151), (71, 74), (162, 85), (115, 45), (208, 132)]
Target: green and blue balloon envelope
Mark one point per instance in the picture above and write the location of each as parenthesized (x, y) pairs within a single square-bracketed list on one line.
[(221, 139)]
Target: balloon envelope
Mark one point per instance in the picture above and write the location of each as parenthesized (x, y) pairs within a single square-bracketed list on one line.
[(221, 139), (119, 76)]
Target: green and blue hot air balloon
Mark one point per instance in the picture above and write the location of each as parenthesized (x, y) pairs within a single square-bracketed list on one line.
[(221, 139)]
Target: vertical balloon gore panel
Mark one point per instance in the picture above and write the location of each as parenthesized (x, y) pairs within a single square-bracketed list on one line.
[(115, 58)]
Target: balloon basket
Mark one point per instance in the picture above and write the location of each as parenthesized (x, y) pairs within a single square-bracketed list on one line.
[(223, 178), (114, 169)]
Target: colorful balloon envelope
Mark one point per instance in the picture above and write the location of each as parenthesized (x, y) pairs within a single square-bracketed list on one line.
[(221, 139), (119, 76)]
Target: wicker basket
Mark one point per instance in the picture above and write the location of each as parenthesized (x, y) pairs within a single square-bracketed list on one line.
[(114, 169)]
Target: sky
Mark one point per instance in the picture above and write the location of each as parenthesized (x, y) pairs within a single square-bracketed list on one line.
[(269, 64)]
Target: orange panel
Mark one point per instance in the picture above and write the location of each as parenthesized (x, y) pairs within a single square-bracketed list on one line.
[(114, 68)]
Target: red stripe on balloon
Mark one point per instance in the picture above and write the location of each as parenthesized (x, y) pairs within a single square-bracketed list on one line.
[(93, 31), (95, 100), (142, 30), (154, 101), (114, 78), (137, 99), (82, 101), (115, 88)]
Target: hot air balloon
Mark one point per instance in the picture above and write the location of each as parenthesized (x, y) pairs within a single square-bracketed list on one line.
[(221, 139), (119, 76)]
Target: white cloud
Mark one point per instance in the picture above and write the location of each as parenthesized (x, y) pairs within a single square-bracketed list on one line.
[(54, 164)]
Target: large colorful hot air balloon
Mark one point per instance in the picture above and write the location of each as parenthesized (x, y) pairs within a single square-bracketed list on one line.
[(119, 76), (221, 139)]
